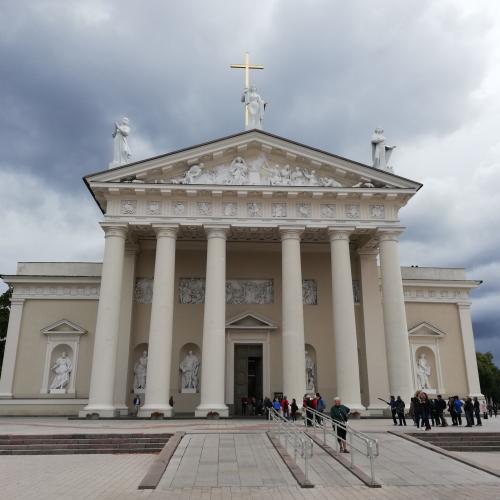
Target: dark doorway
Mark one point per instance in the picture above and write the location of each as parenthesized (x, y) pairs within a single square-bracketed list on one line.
[(247, 377)]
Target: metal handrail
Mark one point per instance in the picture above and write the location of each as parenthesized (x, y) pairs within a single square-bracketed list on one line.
[(356, 440), (294, 435)]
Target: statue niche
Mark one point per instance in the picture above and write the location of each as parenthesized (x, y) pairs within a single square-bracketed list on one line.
[(189, 369)]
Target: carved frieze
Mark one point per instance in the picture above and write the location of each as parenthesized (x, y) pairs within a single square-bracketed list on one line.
[(143, 292), (204, 208), (352, 211), (230, 209), (328, 211), (309, 292), (377, 211), (254, 209), (192, 290), (128, 207), (153, 207), (304, 210), (278, 210), (249, 292), (179, 208)]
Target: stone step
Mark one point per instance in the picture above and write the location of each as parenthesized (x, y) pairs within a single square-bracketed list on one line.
[(66, 451), (81, 446), (472, 447), (90, 440), (82, 436)]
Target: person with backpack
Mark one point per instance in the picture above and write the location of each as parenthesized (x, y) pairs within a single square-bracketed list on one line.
[(340, 416)]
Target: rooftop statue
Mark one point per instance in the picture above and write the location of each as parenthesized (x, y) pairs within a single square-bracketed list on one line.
[(381, 153), (255, 107), (121, 150)]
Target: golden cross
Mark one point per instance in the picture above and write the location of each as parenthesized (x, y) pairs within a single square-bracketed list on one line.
[(247, 67)]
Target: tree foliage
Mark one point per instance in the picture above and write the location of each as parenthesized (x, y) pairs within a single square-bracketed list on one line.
[(4, 319), (489, 376)]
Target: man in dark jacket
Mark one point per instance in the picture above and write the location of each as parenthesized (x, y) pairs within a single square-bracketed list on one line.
[(440, 405), (469, 412), (340, 416), (392, 404), (400, 410), (477, 411)]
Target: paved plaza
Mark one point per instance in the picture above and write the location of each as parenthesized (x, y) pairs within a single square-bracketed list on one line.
[(233, 459)]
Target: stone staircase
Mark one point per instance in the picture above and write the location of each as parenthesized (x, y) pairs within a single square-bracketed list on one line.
[(66, 444), (462, 441)]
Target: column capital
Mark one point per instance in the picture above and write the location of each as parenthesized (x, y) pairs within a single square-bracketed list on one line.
[(464, 305), (166, 230), (114, 229), (18, 301), (216, 231), (291, 232), (390, 233), (337, 233)]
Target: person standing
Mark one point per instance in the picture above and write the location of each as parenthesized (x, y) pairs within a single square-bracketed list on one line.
[(309, 414), (137, 404), (451, 409), (440, 405), (469, 412), (340, 416), (400, 410), (320, 407), (477, 411), (425, 409), (285, 406), (293, 410), (457, 406), (417, 409), (392, 404)]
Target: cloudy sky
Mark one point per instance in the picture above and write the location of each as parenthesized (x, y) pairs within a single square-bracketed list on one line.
[(427, 71)]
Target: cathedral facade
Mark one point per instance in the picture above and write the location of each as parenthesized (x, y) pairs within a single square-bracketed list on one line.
[(249, 266)]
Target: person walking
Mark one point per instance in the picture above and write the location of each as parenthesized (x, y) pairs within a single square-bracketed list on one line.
[(425, 405), (469, 412), (440, 405), (400, 410), (293, 410), (277, 405), (320, 407), (477, 411), (340, 416), (308, 404)]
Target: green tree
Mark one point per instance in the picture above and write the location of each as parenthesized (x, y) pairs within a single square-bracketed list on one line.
[(489, 376), (4, 320)]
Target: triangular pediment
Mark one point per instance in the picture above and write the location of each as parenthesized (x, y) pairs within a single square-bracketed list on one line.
[(63, 327), (425, 329), (252, 158), (250, 321)]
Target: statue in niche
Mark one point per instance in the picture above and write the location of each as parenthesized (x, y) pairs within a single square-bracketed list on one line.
[(310, 382), (189, 368), (62, 369), (381, 154), (121, 150), (423, 372), (255, 107), (309, 292), (238, 172), (140, 373)]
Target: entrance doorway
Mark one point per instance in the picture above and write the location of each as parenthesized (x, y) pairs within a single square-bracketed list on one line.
[(247, 376)]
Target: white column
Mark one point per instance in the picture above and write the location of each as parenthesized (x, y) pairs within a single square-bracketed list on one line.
[(214, 325), (125, 329), (469, 350), (344, 322), (102, 379), (161, 325), (292, 331), (11, 343), (396, 329), (373, 320)]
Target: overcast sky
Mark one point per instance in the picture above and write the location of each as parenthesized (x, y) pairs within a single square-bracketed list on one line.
[(426, 71)]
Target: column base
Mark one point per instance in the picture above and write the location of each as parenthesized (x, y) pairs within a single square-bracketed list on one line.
[(148, 410), (6, 395), (104, 411), (376, 410), (356, 407), (122, 410), (202, 410)]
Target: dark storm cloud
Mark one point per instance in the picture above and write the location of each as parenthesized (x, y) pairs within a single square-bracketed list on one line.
[(333, 72)]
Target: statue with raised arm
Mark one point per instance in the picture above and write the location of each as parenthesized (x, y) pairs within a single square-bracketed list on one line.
[(255, 107), (423, 372), (62, 369), (121, 150), (381, 153), (310, 382)]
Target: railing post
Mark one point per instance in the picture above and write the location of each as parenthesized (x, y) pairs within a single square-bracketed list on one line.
[(350, 446)]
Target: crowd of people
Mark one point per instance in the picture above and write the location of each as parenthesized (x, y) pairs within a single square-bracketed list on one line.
[(427, 413)]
